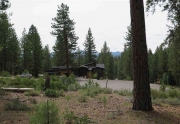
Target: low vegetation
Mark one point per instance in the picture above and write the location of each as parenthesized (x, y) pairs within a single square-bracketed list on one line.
[(70, 102), (16, 105)]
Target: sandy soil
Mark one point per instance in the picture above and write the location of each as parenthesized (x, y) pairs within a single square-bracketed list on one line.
[(96, 110)]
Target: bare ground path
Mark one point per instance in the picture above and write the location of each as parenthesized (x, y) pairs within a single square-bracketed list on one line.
[(116, 84)]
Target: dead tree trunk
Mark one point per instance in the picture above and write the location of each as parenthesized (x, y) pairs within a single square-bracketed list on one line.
[(141, 91)]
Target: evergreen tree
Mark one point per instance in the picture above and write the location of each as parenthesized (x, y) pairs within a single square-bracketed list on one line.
[(125, 60), (46, 58), (4, 4), (89, 48), (141, 91), (36, 50), (110, 67), (7, 38), (64, 31), (26, 52), (79, 57), (104, 58), (13, 53), (152, 63), (59, 52)]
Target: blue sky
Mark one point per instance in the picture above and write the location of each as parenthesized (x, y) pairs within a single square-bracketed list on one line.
[(108, 20)]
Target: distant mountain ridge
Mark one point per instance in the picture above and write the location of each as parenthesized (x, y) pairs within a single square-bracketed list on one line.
[(115, 54)]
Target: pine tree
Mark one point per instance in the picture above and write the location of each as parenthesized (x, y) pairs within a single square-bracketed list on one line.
[(152, 63), (89, 48), (46, 58), (6, 32), (79, 57), (26, 52), (111, 67), (59, 52), (104, 58), (13, 53), (36, 50), (4, 4), (64, 31), (141, 91)]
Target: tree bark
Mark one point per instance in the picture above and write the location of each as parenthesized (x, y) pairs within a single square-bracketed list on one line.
[(141, 91)]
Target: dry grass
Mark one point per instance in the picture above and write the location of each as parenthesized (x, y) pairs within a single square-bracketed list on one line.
[(96, 111)]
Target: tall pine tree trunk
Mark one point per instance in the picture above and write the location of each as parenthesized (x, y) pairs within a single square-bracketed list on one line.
[(141, 92)]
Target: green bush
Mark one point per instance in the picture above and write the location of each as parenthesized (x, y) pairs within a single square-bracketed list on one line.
[(74, 87), (154, 93), (128, 78), (95, 75), (82, 98), (71, 118), (71, 79), (102, 99), (20, 82), (172, 93), (26, 71), (162, 95), (61, 92), (15, 105), (52, 93), (163, 87), (107, 91), (45, 113), (2, 92), (172, 101), (31, 93), (5, 74), (33, 100), (3, 81), (125, 92)]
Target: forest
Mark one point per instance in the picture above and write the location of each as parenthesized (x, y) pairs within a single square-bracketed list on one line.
[(28, 53), (67, 99)]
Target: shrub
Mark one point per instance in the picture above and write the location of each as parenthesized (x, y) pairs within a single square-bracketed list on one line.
[(95, 75), (51, 93), (71, 79), (128, 78), (102, 99), (154, 93), (71, 118), (172, 93), (74, 87), (33, 100), (125, 92), (5, 74), (61, 92), (31, 93), (16, 105), (82, 98), (2, 92), (162, 95), (45, 113), (108, 91), (3, 81), (26, 71), (163, 87), (69, 115)]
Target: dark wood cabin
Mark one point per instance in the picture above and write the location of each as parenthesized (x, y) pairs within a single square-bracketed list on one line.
[(91, 68), (59, 70)]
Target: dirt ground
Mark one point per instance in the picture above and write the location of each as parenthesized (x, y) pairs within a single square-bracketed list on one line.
[(96, 110)]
